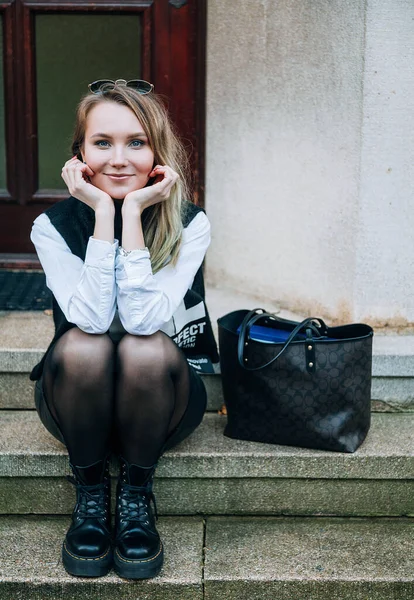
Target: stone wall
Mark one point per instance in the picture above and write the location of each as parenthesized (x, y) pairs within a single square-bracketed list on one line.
[(384, 285), (309, 169)]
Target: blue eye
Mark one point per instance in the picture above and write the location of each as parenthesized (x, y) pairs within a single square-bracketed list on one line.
[(137, 143), (101, 143)]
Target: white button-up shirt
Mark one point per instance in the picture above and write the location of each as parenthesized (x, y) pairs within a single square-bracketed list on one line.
[(118, 293)]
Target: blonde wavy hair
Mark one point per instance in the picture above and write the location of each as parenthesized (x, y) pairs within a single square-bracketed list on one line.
[(162, 222)]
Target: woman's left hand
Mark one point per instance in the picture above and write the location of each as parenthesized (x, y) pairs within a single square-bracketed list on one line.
[(159, 191)]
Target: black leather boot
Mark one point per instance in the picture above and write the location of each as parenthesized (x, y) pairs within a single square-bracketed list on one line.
[(139, 552), (87, 550)]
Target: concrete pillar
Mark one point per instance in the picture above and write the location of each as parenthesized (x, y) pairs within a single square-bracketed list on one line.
[(292, 154), (384, 278)]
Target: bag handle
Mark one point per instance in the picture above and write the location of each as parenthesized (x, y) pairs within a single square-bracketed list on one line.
[(253, 316)]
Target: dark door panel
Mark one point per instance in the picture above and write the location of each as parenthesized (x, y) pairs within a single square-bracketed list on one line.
[(15, 225), (52, 50)]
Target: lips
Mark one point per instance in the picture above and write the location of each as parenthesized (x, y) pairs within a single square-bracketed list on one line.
[(118, 178), (118, 175)]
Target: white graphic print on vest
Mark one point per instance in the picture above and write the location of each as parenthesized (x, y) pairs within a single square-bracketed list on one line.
[(190, 334), (189, 322)]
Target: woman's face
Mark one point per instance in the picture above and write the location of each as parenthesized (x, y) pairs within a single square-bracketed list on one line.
[(117, 150)]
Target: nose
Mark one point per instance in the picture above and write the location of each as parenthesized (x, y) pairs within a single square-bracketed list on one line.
[(118, 157)]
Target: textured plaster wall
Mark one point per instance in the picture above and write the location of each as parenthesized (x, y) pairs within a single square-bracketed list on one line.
[(310, 154), (284, 110), (384, 287)]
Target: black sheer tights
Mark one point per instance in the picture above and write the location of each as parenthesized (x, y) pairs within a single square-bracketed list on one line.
[(135, 391)]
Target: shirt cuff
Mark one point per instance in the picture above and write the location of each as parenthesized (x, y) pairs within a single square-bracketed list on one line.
[(133, 266), (137, 253), (100, 253)]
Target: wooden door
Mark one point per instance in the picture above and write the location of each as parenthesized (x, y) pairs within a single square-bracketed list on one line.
[(50, 49)]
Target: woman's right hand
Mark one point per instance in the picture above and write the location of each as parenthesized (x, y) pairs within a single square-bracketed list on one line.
[(74, 174)]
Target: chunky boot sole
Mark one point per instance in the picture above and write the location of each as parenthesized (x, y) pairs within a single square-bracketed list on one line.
[(87, 567), (138, 569)]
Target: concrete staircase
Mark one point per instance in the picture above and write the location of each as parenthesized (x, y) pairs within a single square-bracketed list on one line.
[(239, 520)]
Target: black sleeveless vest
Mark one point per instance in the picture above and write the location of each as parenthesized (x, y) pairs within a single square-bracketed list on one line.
[(75, 221)]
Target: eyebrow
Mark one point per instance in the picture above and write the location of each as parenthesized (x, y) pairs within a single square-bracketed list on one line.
[(133, 135)]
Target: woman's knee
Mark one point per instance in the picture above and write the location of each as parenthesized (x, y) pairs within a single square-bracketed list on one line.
[(155, 353), (80, 351)]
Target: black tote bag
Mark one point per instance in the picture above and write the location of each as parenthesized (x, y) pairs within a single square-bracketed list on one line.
[(312, 390)]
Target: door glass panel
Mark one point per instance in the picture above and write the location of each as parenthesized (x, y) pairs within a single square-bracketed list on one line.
[(72, 51), (3, 181)]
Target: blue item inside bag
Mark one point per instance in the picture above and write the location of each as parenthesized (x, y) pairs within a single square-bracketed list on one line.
[(270, 335), (276, 336)]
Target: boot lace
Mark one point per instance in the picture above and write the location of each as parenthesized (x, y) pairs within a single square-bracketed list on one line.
[(92, 500), (134, 503)]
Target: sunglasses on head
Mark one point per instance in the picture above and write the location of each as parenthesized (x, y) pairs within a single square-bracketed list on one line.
[(102, 85)]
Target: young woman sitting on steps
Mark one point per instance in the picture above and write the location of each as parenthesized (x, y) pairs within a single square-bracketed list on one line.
[(122, 257)]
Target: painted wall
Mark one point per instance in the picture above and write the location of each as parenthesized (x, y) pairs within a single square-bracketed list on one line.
[(292, 153), (384, 285)]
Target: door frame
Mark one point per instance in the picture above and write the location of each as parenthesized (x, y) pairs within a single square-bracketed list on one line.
[(175, 65)]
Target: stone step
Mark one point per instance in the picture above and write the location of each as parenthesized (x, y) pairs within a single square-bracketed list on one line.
[(211, 474), (31, 567), (26, 335), (312, 559), (249, 558), (17, 391), (389, 394)]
